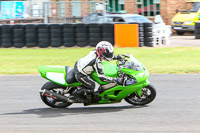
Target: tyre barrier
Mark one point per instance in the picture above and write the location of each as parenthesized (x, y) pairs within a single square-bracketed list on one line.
[(108, 28), (95, 34), (43, 35), (69, 35), (197, 30), (31, 35), (7, 36), (148, 34), (19, 35), (141, 34), (82, 37), (56, 35)]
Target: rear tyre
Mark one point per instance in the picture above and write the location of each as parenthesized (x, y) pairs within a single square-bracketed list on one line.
[(148, 95), (50, 101), (180, 32)]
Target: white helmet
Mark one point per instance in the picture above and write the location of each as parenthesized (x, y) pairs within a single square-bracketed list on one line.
[(105, 50)]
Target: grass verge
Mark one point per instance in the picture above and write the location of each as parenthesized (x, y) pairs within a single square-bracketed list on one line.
[(157, 60)]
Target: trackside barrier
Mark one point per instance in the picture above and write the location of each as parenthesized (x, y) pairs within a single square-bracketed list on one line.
[(80, 34), (95, 34), (197, 30), (148, 34)]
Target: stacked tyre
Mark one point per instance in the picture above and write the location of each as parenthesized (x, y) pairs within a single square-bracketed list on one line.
[(69, 35), (108, 32), (56, 35), (18, 35), (7, 36), (43, 35), (197, 30), (95, 34), (81, 35), (148, 34), (31, 36), (141, 34)]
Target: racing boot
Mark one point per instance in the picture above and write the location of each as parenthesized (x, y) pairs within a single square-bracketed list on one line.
[(82, 95), (96, 98), (79, 95)]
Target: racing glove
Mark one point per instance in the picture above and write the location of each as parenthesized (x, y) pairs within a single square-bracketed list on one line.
[(117, 57)]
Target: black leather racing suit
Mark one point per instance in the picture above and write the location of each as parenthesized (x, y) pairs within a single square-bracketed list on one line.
[(85, 66)]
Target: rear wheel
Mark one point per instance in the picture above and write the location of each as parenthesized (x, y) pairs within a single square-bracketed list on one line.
[(180, 32), (50, 101), (148, 95)]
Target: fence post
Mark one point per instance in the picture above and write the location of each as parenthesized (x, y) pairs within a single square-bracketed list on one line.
[(104, 11), (65, 12), (45, 7)]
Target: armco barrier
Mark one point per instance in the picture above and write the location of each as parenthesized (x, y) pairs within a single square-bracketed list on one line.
[(197, 30), (81, 35)]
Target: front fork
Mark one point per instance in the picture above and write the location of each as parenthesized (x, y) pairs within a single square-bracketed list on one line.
[(139, 91)]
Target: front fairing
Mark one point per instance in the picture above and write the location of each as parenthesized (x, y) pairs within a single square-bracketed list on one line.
[(119, 92), (140, 76), (135, 69)]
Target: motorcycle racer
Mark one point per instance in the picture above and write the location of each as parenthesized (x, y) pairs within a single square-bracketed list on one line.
[(93, 62)]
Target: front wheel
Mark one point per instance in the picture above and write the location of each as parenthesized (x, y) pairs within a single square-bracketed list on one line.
[(148, 95), (50, 101)]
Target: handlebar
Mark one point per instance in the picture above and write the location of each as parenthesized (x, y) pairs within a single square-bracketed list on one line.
[(126, 55), (121, 62)]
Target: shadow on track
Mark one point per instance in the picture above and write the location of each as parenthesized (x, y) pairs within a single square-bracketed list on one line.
[(54, 112)]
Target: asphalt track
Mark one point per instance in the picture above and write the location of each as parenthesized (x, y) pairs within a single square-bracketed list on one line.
[(176, 109)]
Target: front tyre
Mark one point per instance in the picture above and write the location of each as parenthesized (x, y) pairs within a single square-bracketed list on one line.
[(148, 95), (50, 101)]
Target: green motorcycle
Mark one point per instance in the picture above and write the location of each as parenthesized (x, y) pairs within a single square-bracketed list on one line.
[(136, 89)]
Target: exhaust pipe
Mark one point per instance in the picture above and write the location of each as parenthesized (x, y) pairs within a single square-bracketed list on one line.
[(53, 95)]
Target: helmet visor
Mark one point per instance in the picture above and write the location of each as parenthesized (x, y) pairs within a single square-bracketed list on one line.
[(107, 55)]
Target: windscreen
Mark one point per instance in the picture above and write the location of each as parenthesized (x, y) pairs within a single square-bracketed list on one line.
[(196, 6), (191, 7), (137, 19), (134, 64), (107, 19)]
